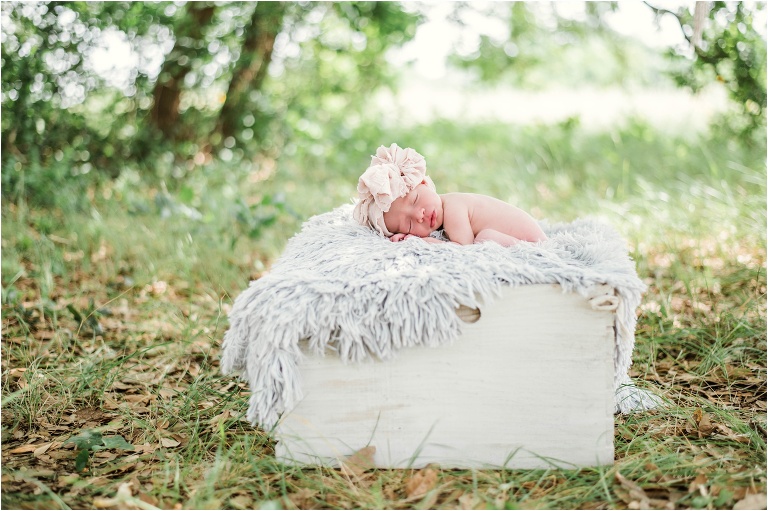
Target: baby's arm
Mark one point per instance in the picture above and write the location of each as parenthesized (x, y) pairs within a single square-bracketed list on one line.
[(456, 224), (505, 240)]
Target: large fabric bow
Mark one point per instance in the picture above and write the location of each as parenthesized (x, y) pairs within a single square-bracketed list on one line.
[(393, 173)]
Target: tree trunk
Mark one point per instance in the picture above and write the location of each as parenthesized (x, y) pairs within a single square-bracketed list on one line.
[(165, 110), (251, 68)]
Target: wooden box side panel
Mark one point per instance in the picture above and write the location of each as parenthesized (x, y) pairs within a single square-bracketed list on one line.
[(527, 386)]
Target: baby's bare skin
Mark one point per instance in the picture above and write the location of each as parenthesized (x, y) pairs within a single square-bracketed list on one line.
[(466, 218)]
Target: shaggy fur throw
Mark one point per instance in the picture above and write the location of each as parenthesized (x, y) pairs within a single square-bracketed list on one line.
[(343, 287)]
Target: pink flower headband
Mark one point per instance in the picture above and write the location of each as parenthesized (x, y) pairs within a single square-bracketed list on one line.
[(393, 173)]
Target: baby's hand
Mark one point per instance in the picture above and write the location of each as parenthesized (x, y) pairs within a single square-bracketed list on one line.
[(401, 236)]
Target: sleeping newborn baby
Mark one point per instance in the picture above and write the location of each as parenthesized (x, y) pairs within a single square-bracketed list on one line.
[(400, 201)]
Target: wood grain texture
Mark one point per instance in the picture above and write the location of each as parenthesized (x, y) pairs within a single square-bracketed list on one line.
[(529, 385)]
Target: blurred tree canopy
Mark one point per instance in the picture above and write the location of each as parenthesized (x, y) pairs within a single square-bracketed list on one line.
[(726, 47), (198, 76), (722, 44), (542, 43)]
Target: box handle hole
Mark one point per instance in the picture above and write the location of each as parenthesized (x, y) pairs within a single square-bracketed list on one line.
[(468, 314)]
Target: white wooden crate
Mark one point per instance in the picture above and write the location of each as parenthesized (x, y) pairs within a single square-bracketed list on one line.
[(528, 385)]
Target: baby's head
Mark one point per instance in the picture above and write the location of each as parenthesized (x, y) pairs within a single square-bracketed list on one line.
[(396, 196)]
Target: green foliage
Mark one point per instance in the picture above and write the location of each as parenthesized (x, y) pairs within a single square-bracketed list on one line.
[(334, 60), (252, 220), (545, 48), (730, 51), (43, 179), (47, 78), (91, 440), (63, 119), (88, 317)]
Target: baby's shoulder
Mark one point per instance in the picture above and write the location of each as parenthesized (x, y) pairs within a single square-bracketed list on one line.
[(457, 198), (457, 207), (468, 200)]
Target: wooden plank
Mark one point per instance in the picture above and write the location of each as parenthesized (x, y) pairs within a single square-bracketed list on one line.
[(529, 385)]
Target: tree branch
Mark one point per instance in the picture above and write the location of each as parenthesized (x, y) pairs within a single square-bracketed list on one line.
[(660, 11)]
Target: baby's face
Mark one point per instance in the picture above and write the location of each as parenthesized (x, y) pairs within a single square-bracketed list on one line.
[(419, 213)]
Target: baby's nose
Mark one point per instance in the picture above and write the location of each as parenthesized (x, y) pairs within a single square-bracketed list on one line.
[(420, 215)]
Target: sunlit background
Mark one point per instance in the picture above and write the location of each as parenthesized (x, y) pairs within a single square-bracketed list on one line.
[(434, 88)]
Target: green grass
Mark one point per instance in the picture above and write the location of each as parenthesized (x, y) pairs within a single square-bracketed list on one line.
[(113, 316)]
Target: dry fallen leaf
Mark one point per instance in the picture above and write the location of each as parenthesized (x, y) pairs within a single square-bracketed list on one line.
[(359, 462), (26, 448), (168, 393), (139, 398), (146, 448), (731, 435), (637, 498), (469, 501), (110, 403), (421, 482), (149, 499), (703, 424), (243, 502), (124, 499), (301, 499), (45, 447), (169, 442), (118, 385), (220, 417), (752, 501), (699, 484)]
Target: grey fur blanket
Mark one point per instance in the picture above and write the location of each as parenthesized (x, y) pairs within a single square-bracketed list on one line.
[(343, 287)]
